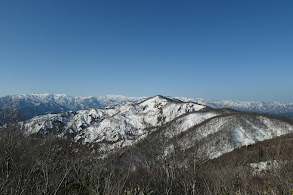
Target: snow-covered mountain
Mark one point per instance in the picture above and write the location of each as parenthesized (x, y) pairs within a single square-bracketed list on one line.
[(116, 125), (162, 122)]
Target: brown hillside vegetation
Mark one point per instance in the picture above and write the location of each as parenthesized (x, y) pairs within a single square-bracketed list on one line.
[(48, 165), (232, 171)]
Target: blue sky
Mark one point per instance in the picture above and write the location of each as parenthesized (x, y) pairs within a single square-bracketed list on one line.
[(239, 50)]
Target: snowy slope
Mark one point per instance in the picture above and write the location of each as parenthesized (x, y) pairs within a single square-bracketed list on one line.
[(224, 133)]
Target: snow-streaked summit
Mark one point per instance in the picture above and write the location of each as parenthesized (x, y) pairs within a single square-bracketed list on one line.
[(121, 123)]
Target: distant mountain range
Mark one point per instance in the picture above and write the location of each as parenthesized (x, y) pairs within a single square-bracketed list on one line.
[(29, 106), (162, 124), (247, 106)]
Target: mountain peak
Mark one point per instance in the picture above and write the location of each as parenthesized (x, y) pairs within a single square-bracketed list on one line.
[(163, 98)]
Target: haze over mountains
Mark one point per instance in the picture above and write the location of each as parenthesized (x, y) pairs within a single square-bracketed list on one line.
[(248, 106)]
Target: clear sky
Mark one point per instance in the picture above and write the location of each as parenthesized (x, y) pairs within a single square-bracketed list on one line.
[(237, 49)]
